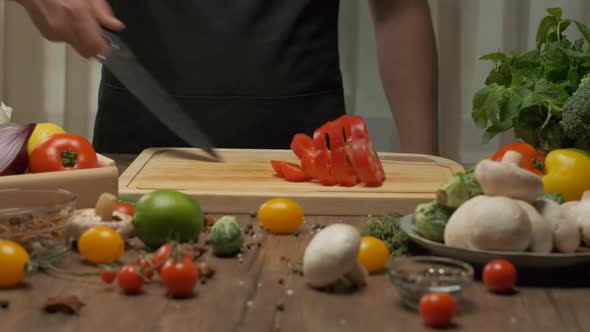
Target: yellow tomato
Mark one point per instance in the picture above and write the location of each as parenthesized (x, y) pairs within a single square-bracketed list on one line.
[(101, 245), (42, 132), (280, 215), (13, 258), (373, 253)]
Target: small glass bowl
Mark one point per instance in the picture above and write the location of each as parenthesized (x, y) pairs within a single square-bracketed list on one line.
[(37, 219), (418, 275)]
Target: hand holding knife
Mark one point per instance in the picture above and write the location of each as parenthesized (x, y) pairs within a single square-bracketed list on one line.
[(123, 64)]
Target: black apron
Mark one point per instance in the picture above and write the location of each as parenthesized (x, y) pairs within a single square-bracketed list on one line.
[(251, 73)]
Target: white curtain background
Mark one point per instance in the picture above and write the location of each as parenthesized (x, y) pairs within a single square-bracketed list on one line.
[(46, 81)]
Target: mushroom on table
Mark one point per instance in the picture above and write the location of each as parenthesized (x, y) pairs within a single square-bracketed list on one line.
[(331, 257), (103, 214)]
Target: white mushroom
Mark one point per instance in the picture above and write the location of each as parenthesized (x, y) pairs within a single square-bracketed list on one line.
[(507, 178), (489, 222), (498, 223), (542, 240), (459, 223), (102, 214), (566, 237), (331, 255), (579, 211)]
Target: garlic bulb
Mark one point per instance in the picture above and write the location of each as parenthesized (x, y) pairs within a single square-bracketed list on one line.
[(5, 113)]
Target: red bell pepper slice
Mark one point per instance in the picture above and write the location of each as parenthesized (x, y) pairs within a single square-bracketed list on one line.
[(277, 165), (294, 173), (322, 156), (364, 157), (302, 146), (341, 166)]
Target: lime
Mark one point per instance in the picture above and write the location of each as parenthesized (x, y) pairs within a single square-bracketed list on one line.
[(42, 132), (167, 215)]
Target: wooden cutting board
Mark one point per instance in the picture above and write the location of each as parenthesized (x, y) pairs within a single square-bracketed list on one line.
[(246, 179)]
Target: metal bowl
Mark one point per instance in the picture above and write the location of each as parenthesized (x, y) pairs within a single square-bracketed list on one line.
[(37, 219), (416, 276)]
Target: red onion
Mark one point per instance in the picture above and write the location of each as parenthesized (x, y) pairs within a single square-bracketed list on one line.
[(14, 158)]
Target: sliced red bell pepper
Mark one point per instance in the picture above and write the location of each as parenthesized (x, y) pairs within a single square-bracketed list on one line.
[(277, 165), (364, 157), (294, 173), (322, 156), (341, 166), (302, 146)]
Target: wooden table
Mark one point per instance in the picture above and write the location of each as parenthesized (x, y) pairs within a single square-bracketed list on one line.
[(249, 296)]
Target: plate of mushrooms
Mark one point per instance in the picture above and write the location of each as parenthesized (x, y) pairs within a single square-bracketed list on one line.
[(507, 219)]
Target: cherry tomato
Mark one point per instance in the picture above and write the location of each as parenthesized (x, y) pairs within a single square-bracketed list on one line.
[(161, 256), (373, 253), (280, 215), (130, 281), (13, 258), (126, 208), (179, 276), (108, 276), (532, 159), (438, 309), (63, 152), (145, 265), (101, 245), (499, 275)]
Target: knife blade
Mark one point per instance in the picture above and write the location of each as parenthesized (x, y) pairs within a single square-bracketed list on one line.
[(125, 67)]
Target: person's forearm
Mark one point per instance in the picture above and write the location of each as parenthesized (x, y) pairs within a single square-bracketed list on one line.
[(408, 68)]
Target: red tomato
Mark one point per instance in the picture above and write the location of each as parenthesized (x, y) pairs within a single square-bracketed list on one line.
[(63, 152), (126, 208), (180, 276), (532, 159), (108, 276), (129, 279), (162, 254), (145, 265), (438, 309), (499, 276)]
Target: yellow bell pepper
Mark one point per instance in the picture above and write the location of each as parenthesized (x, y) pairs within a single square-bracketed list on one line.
[(568, 173)]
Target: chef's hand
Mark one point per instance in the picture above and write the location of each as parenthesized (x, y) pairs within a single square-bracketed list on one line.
[(76, 22)]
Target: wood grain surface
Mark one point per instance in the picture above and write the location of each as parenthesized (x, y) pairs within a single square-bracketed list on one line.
[(248, 296), (246, 178)]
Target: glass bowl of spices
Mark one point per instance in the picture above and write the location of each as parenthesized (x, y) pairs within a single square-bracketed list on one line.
[(37, 219), (418, 275)]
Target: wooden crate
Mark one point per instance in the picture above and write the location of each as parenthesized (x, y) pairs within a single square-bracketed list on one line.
[(87, 184), (246, 179)]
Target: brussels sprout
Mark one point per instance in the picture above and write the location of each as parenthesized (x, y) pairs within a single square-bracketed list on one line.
[(226, 236), (460, 188), (556, 197), (430, 220)]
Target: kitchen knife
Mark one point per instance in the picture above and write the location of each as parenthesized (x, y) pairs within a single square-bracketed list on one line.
[(124, 65)]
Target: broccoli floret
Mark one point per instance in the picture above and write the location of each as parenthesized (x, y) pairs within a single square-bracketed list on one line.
[(556, 197), (430, 220), (387, 228), (226, 236), (575, 118), (460, 188)]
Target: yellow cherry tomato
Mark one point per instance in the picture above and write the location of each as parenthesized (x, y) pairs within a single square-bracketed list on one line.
[(280, 215), (373, 253), (101, 245), (13, 258)]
